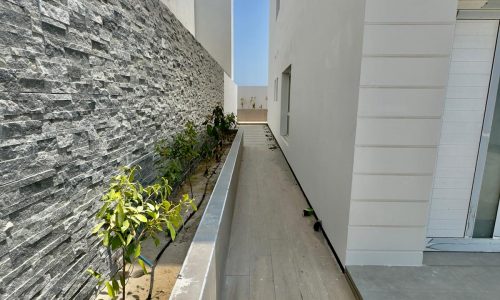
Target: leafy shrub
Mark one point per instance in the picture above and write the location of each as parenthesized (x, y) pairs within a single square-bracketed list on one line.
[(179, 155), (168, 167), (184, 147), (218, 127), (131, 214)]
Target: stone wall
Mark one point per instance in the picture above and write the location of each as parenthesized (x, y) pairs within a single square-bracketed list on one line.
[(85, 86)]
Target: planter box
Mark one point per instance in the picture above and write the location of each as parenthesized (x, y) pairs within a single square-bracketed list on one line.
[(203, 269)]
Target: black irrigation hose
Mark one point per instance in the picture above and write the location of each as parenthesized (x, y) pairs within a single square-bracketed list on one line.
[(153, 267)]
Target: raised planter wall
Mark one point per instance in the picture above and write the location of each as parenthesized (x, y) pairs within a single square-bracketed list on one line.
[(85, 86), (201, 276)]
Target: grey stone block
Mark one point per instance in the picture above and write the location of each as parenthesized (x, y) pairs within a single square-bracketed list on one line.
[(54, 12)]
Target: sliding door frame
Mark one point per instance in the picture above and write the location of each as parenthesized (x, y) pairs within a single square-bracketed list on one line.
[(483, 144)]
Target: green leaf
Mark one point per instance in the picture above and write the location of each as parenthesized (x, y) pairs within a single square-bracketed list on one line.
[(166, 205), (105, 239), (141, 218), (116, 287), (111, 291), (129, 239), (115, 242), (97, 227), (143, 266), (151, 206), (137, 250), (171, 230), (122, 240), (102, 210), (125, 225)]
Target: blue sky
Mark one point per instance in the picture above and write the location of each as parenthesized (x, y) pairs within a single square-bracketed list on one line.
[(251, 39)]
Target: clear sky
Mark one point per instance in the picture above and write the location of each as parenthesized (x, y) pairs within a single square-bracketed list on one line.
[(251, 41)]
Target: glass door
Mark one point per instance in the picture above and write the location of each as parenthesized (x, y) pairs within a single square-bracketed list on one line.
[(484, 204), (487, 208)]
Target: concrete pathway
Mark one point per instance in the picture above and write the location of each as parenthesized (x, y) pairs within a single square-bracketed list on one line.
[(444, 276), (274, 253)]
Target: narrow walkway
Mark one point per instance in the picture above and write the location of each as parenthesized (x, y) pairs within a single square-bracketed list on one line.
[(274, 253)]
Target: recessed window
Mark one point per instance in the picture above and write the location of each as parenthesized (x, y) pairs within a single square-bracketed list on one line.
[(286, 84), (277, 8)]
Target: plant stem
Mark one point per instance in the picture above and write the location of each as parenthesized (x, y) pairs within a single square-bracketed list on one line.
[(151, 281), (123, 273), (190, 185)]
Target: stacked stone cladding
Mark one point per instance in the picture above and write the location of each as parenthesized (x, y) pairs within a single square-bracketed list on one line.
[(86, 86)]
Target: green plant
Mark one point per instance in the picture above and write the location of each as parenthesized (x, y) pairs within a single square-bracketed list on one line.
[(207, 152), (168, 167), (187, 149), (184, 145), (218, 127), (179, 156), (219, 124), (131, 214), (230, 120)]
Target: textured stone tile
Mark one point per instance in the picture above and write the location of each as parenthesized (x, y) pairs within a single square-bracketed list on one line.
[(85, 86)]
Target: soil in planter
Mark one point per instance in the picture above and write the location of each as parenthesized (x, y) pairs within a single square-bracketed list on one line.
[(170, 263)]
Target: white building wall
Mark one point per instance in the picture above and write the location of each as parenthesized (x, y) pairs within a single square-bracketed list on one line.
[(210, 21), (214, 30), (406, 52), (257, 93), (322, 41), (230, 95), (184, 12), (472, 58)]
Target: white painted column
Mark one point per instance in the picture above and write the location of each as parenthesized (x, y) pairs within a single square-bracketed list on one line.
[(404, 73)]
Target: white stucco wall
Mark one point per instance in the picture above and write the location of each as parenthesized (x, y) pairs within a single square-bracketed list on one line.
[(404, 72), (230, 95), (214, 30), (252, 94), (184, 11), (367, 98), (322, 42), (210, 21)]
